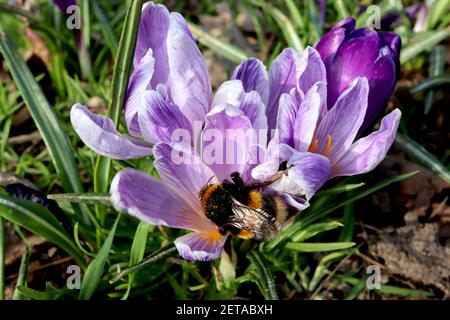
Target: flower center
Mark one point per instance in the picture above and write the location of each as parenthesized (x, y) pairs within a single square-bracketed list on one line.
[(313, 148)]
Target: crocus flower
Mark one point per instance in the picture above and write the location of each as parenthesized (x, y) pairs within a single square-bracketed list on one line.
[(319, 137), (170, 114), (349, 54)]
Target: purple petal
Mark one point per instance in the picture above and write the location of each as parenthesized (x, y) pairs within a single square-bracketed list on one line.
[(253, 75), (159, 118), (64, 4), (342, 122), (330, 42), (287, 114), (200, 246), (190, 87), (392, 40), (307, 119), (226, 139), (354, 58), (139, 81), (256, 156), (314, 71), (153, 30), (183, 172), (255, 110), (100, 134), (278, 152), (282, 78), (149, 200), (307, 174), (382, 84), (366, 153), (229, 92)]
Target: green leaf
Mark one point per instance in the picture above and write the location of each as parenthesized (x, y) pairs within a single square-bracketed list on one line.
[(323, 265), (426, 43), (45, 119), (422, 155), (40, 221), (349, 224), (342, 11), (88, 198), (108, 33), (287, 28), (2, 259), (263, 276), (23, 273), (121, 73), (137, 251), (318, 246), (217, 45), (94, 270), (36, 294), (387, 289), (437, 66), (437, 10), (314, 229), (430, 83), (340, 189)]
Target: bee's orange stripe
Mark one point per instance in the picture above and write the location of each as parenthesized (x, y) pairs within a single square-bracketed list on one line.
[(255, 200)]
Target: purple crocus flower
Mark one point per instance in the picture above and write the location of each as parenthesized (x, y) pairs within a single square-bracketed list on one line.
[(170, 114), (349, 54), (316, 140)]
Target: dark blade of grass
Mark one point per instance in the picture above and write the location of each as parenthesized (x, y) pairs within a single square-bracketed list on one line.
[(108, 33), (412, 50), (422, 155), (152, 258), (349, 224), (437, 65), (2, 260), (40, 221), (314, 216), (94, 270), (264, 276), (121, 73), (23, 273), (219, 46), (45, 119), (431, 83), (88, 198), (137, 252)]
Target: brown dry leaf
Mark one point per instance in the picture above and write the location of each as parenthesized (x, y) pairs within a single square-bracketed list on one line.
[(414, 252)]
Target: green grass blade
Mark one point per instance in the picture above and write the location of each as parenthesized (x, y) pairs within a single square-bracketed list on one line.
[(431, 83), (45, 119), (264, 276), (315, 229), (2, 259), (121, 73), (437, 66), (137, 251), (437, 11), (323, 265), (23, 273), (341, 9), (94, 270), (152, 258), (88, 198), (295, 14), (40, 221), (318, 246), (108, 33), (219, 46), (349, 224), (421, 154), (287, 28), (426, 43), (340, 189)]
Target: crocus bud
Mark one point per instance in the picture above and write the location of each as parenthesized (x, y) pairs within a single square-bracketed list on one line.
[(349, 54)]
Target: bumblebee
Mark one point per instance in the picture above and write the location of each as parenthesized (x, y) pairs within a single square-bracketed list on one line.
[(239, 209)]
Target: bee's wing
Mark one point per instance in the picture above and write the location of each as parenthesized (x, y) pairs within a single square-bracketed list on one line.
[(257, 221)]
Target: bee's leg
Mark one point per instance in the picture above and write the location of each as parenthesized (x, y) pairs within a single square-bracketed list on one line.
[(236, 177), (263, 184)]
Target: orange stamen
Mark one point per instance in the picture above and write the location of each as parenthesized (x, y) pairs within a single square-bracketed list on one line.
[(212, 237), (327, 149), (314, 146)]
